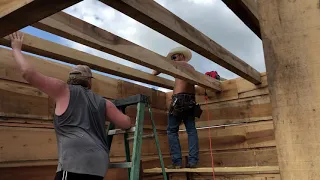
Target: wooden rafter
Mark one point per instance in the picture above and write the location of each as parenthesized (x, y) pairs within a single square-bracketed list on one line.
[(59, 52), (246, 10), (82, 32), (17, 14), (160, 19)]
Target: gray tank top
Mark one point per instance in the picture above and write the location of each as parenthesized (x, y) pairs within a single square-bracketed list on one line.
[(81, 134)]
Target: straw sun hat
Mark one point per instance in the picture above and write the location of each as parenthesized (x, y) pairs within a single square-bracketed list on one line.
[(180, 50)]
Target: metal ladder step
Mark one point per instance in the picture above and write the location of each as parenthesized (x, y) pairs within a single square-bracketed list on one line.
[(120, 165), (143, 136)]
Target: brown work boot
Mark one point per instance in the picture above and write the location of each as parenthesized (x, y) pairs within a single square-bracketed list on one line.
[(191, 166), (173, 166)]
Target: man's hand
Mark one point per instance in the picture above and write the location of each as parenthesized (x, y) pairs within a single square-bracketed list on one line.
[(16, 40)]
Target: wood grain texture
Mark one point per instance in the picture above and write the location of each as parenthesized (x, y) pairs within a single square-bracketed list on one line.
[(17, 15), (222, 170), (29, 144), (59, 52), (207, 176), (162, 20), (82, 32), (290, 34), (47, 172), (104, 86)]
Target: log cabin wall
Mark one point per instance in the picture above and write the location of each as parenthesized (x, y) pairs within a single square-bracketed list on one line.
[(242, 114)]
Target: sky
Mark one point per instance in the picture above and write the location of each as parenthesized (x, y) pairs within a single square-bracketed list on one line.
[(211, 17)]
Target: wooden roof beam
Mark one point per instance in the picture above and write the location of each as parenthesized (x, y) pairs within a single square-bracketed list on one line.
[(246, 10), (59, 52), (17, 14), (82, 32), (160, 19)]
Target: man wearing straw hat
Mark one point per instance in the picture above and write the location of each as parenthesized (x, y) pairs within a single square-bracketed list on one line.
[(182, 108), (79, 118)]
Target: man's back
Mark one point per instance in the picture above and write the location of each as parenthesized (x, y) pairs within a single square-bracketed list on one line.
[(81, 135)]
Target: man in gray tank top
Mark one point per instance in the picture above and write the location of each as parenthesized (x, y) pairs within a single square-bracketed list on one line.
[(79, 118)]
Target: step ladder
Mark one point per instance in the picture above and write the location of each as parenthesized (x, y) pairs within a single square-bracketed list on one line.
[(133, 165)]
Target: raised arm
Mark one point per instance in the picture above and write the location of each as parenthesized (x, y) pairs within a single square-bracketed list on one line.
[(54, 88), (115, 116)]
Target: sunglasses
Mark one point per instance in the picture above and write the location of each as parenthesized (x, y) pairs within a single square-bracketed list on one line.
[(174, 56)]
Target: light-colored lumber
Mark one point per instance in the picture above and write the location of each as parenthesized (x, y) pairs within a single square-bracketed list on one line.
[(82, 32), (221, 170), (291, 37), (17, 14), (155, 16), (59, 52), (208, 176)]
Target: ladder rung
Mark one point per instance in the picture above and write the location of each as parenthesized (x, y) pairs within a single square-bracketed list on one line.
[(144, 136), (120, 131), (120, 165)]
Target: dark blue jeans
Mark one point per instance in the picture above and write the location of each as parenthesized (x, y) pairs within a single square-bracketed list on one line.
[(174, 143)]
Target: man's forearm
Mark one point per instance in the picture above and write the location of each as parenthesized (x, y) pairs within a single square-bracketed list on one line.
[(25, 67)]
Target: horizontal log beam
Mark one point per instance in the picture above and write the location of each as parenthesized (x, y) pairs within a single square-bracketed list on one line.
[(246, 10), (221, 170), (62, 53), (15, 15), (82, 32), (153, 15)]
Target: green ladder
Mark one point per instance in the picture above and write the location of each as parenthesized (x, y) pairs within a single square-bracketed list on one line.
[(134, 166)]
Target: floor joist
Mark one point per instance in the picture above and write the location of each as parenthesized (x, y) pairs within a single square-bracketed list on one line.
[(82, 32), (15, 15), (59, 52), (160, 19)]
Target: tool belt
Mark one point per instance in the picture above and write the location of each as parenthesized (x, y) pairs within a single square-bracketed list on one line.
[(183, 104)]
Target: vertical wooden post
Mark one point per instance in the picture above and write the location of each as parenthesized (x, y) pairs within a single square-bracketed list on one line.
[(291, 39)]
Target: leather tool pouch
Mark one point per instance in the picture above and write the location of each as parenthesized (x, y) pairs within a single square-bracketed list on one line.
[(179, 107)]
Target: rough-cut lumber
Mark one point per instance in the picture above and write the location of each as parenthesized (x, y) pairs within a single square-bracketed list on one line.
[(56, 51), (221, 170), (246, 10), (207, 176), (15, 15), (48, 172), (162, 20), (104, 86), (14, 140), (82, 32), (19, 100), (290, 35), (229, 158)]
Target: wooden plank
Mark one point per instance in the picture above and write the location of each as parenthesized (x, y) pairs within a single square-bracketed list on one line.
[(104, 86), (228, 91), (157, 98), (245, 86), (20, 100), (247, 12), (26, 144), (182, 176), (222, 170), (47, 172), (82, 32), (237, 111), (13, 13), (229, 158), (162, 20), (49, 49)]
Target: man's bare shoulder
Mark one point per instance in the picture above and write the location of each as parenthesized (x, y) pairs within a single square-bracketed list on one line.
[(185, 64)]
